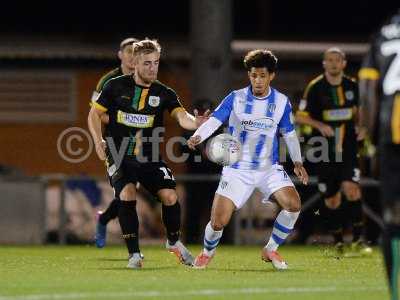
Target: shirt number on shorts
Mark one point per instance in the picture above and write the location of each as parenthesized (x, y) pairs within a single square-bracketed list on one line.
[(285, 175), (357, 175), (167, 173)]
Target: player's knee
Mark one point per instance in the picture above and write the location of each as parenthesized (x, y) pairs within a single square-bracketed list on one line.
[(352, 192), (217, 225), (334, 201), (219, 222), (294, 205), (128, 193), (168, 197)]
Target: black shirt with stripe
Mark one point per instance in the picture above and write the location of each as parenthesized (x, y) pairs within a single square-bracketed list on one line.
[(334, 105), (133, 110), (103, 80)]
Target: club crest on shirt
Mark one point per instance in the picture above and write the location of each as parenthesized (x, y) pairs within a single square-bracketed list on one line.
[(349, 95), (271, 107), (154, 101)]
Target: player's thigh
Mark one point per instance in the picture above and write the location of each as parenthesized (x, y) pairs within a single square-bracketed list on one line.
[(157, 177), (329, 179), (221, 211), (288, 198), (124, 180), (350, 178), (236, 185), (273, 180), (128, 192)]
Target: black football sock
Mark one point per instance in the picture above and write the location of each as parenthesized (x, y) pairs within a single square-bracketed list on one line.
[(129, 222), (356, 218), (110, 213), (332, 219), (171, 216)]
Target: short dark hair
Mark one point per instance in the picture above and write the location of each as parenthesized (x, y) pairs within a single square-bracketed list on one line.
[(261, 58), (128, 41), (146, 46)]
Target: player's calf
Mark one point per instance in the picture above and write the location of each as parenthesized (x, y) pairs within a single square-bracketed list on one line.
[(101, 232)]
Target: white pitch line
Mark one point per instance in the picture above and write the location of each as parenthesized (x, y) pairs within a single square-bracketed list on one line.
[(206, 292)]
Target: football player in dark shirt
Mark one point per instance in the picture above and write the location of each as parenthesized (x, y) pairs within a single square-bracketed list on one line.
[(127, 67), (330, 107), (380, 96), (136, 104)]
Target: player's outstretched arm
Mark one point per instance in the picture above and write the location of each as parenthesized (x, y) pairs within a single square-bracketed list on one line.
[(203, 132), (293, 144), (94, 124), (190, 122)]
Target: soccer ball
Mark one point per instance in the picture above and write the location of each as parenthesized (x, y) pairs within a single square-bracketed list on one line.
[(224, 149)]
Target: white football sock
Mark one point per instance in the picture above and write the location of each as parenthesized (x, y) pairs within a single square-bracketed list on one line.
[(283, 225), (211, 239)]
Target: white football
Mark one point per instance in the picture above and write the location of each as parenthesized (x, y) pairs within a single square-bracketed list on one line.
[(224, 149)]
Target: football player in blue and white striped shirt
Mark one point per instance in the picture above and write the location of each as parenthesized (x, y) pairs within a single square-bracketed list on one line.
[(257, 114)]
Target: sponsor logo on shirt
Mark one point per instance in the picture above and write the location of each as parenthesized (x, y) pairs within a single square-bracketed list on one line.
[(263, 123), (135, 120), (342, 114)]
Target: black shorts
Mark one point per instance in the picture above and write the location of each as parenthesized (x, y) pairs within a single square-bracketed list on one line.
[(331, 176), (154, 176), (390, 174)]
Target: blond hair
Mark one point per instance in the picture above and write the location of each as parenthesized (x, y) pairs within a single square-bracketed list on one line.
[(146, 46)]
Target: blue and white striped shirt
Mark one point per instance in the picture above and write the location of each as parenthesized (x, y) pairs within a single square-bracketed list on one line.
[(256, 123)]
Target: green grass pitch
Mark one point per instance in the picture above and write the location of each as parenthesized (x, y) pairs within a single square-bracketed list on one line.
[(237, 272)]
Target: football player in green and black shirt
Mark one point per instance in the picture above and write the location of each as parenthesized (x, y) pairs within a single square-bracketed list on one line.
[(127, 67), (136, 104), (330, 107), (380, 96)]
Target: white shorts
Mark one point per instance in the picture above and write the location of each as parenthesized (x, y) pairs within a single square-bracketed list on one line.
[(238, 185)]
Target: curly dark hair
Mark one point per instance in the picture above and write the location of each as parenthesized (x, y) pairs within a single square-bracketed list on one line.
[(261, 58)]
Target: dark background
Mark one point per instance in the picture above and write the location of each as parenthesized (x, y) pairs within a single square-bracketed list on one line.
[(296, 20)]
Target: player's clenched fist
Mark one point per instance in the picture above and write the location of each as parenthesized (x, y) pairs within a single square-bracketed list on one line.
[(101, 149), (193, 141)]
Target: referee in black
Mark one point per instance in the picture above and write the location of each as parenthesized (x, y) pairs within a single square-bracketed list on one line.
[(380, 96), (127, 67), (330, 107), (136, 103)]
